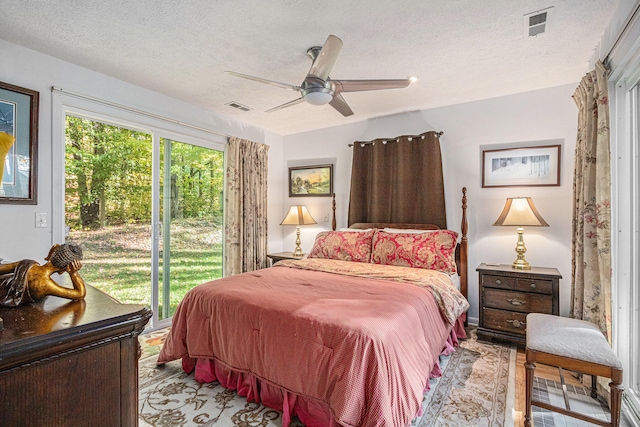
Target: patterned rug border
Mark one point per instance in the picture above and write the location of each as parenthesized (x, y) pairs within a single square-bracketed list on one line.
[(510, 415), (477, 387)]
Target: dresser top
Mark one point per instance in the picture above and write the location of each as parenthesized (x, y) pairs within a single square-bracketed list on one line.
[(508, 269), (54, 316)]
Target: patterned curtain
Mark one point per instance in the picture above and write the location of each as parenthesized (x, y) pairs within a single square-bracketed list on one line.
[(591, 260), (245, 207)]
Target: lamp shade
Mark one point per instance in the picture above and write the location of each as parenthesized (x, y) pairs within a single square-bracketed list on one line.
[(520, 211), (298, 215)]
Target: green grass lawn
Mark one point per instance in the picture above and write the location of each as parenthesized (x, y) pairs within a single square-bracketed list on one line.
[(117, 260)]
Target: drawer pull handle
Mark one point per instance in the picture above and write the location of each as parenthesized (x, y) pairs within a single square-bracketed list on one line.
[(498, 281), (516, 323), (533, 286), (515, 301)]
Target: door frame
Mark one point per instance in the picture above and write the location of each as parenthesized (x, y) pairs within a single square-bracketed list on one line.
[(624, 115)]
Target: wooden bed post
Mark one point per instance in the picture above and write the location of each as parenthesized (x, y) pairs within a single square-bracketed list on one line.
[(464, 228), (333, 206)]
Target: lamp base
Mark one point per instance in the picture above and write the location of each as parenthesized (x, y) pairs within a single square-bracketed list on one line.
[(520, 264), (298, 251)]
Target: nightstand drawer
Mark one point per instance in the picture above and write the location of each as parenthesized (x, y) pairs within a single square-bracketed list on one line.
[(517, 301), (501, 282), (535, 285), (505, 321)]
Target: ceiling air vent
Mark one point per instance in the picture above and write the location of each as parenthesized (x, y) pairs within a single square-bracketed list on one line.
[(537, 23), (238, 106)]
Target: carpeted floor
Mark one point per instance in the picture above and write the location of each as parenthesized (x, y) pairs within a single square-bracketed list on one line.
[(477, 388)]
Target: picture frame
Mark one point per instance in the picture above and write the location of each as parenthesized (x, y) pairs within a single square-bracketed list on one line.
[(533, 166), (19, 118), (311, 181)]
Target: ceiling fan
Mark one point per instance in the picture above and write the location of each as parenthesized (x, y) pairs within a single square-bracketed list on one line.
[(318, 89)]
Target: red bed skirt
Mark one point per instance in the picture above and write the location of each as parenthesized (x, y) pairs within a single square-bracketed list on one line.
[(312, 412)]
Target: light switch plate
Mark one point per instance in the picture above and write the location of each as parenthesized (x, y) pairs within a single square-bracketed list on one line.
[(41, 220)]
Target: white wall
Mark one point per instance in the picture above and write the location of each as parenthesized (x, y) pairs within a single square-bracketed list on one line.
[(29, 69), (533, 116), (548, 114)]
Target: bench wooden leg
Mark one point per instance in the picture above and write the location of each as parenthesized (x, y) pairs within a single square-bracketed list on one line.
[(616, 402), (594, 386), (530, 370)]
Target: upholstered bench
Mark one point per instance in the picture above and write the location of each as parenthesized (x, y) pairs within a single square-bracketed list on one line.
[(575, 345)]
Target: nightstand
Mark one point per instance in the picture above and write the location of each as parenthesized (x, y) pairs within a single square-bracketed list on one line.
[(508, 295), (283, 255)]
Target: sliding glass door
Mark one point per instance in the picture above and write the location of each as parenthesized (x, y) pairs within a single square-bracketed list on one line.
[(108, 206), (190, 243), (146, 210)]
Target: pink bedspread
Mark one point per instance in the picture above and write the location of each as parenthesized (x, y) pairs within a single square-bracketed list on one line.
[(360, 349)]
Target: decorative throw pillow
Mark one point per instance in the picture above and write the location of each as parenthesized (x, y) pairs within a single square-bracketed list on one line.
[(343, 246), (434, 250)]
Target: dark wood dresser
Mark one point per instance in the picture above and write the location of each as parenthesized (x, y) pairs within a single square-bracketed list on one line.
[(508, 295), (71, 363)]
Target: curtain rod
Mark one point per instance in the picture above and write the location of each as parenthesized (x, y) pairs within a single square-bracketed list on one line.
[(136, 111), (622, 32), (396, 139)]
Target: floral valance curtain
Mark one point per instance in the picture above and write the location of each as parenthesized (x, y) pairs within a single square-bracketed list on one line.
[(398, 180), (245, 207), (591, 260)]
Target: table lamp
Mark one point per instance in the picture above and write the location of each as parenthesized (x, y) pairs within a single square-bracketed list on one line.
[(298, 215), (520, 212)]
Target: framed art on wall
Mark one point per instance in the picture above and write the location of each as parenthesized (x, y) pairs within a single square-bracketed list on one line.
[(536, 166), (306, 181), (18, 144)]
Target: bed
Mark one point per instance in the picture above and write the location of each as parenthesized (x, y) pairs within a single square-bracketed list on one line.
[(348, 337)]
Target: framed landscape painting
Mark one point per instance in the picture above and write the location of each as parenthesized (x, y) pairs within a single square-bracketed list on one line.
[(521, 167), (18, 144), (306, 181)]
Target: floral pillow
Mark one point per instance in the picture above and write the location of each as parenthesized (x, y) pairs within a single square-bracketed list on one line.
[(343, 246), (434, 250)]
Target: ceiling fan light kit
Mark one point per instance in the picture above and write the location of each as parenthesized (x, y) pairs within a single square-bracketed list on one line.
[(318, 89), (318, 97)]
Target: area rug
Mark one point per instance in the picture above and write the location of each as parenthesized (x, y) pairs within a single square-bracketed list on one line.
[(477, 388)]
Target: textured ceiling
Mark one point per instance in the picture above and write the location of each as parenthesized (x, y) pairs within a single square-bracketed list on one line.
[(461, 50)]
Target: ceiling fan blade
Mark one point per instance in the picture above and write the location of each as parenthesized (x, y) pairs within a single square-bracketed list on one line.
[(364, 85), (341, 105), (285, 105), (326, 58), (261, 80)]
